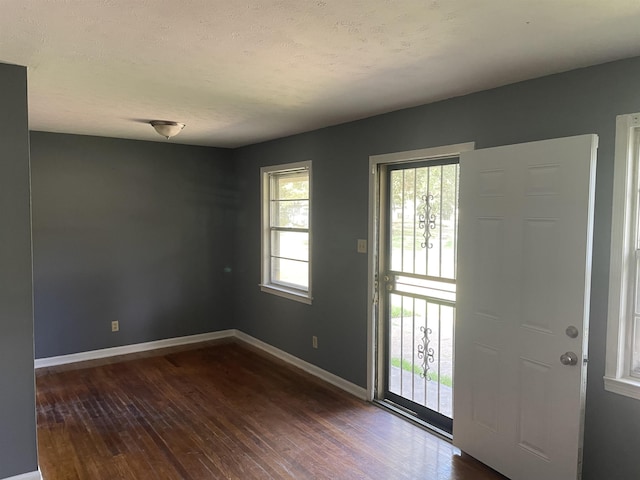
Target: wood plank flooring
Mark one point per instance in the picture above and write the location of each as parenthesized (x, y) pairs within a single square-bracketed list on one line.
[(225, 412)]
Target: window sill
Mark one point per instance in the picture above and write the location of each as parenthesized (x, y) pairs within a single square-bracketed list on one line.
[(629, 387), (287, 293)]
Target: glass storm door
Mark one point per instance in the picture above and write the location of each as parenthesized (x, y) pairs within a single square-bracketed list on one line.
[(419, 285)]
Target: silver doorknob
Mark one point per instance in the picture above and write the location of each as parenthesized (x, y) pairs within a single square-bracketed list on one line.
[(569, 358)]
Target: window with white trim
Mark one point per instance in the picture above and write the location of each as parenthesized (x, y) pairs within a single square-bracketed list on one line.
[(286, 230), (622, 372)]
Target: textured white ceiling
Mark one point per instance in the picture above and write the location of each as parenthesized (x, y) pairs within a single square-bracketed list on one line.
[(243, 71)]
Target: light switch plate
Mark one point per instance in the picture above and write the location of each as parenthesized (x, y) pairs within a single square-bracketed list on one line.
[(362, 245)]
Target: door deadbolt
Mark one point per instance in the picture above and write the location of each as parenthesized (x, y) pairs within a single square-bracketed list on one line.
[(569, 358), (572, 332)]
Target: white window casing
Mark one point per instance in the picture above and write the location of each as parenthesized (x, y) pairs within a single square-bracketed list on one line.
[(286, 231), (622, 369)]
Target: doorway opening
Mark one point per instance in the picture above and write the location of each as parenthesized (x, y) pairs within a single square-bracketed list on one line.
[(414, 258)]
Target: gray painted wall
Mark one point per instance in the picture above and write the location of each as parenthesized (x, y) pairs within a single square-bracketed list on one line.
[(577, 102), (139, 232), (18, 452)]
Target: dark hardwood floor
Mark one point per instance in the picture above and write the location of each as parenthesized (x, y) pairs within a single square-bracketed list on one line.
[(224, 412)]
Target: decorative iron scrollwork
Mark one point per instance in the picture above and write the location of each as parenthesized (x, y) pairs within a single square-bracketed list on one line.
[(427, 221), (425, 352)]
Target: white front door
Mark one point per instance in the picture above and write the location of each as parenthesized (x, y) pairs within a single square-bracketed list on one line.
[(524, 270)]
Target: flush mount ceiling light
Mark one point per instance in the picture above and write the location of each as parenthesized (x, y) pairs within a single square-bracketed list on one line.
[(167, 129)]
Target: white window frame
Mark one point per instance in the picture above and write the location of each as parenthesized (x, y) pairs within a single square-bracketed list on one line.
[(267, 285), (619, 377)]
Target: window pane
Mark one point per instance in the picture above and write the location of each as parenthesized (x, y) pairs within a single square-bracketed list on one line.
[(292, 245), (290, 213), (291, 186), (423, 205), (396, 216), (635, 324), (635, 350), (635, 276), (408, 221), (290, 272), (448, 223)]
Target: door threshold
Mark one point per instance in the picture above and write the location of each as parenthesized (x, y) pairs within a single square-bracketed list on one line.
[(412, 417)]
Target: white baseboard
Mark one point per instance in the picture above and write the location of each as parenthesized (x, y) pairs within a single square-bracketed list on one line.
[(134, 348), (27, 476), (328, 377)]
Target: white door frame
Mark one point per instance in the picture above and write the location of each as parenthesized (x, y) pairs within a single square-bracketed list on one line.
[(375, 161)]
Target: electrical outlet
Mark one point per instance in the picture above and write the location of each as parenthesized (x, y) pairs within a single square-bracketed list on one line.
[(362, 245), (314, 340), (115, 326)]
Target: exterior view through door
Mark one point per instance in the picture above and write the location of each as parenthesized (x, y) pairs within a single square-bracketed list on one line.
[(419, 282)]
